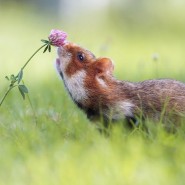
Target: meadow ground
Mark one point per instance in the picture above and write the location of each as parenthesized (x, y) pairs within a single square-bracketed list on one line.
[(53, 142)]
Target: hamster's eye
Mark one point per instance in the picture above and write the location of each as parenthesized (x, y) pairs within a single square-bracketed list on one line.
[(80, 57)]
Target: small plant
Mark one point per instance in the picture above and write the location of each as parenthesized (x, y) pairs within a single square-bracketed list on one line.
[(56, 38)]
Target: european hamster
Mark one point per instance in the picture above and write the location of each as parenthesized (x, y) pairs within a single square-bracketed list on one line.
[(94, 89)]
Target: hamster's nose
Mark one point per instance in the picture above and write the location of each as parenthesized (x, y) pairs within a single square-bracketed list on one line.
[(66, 45)]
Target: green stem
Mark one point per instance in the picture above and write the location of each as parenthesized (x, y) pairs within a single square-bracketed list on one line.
[(9, 89), (12, 86), (33, 56)]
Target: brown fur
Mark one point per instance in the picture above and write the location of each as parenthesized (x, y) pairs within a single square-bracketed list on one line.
[(149, 98)]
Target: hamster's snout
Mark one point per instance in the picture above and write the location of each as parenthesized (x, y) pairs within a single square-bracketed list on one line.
[(63, 57), (60, 51)]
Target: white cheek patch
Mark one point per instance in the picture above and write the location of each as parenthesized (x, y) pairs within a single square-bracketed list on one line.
[(75, 83), (75, 86)]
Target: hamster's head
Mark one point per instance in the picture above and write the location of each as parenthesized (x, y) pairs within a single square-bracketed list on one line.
[(81, 71)]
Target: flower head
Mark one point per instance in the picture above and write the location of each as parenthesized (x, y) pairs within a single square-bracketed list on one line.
[(57, 38)]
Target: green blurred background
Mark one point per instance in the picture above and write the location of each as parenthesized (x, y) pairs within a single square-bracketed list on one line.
[(145, 39)]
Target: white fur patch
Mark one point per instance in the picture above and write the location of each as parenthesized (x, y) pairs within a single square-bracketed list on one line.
[(64, 57), (75, 85), (101, 82), (64, 62), (121, 110)]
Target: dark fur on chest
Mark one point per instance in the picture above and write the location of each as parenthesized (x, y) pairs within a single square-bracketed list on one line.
[(96, 115)]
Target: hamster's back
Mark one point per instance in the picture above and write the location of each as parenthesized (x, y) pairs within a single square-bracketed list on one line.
[(160, 95)]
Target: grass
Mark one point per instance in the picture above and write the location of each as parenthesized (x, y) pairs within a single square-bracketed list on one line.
[(62, 146)]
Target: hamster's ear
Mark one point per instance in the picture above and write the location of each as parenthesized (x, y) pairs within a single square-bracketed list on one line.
[(104, 65)]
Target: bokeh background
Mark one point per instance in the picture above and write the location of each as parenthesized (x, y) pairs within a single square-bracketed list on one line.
[(145, 39), (46, 139)]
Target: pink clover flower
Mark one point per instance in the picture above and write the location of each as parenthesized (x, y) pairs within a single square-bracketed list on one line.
[(57, 38)]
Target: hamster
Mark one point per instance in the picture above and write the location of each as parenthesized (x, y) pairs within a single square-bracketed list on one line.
[(93, 88)]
